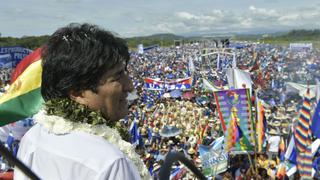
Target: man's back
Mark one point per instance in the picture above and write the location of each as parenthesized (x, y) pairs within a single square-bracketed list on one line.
[(274, 142), (76, 155)]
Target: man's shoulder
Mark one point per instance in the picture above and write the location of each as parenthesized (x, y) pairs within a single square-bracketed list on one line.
[(73, 144), (90, 154)]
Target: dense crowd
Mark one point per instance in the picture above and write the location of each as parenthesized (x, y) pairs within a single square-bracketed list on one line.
[(270, 67), (184, 122)]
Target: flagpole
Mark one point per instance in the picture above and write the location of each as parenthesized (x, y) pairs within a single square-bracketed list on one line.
[(255, 129), (251, 164)]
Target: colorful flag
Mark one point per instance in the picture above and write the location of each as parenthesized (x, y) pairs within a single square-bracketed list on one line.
[(303, 131), (234, 133), (291, 155), (281, 172), (282, 149), (303, 139), (236, 99), (261, 125), (304, 163), (23, 98)]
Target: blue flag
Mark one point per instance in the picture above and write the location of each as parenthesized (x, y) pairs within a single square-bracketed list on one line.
[(315, 127), (134, 132), (291, 153), (149, 134), (10, 141)]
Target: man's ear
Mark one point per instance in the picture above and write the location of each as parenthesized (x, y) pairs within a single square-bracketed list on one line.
[(78, 96)]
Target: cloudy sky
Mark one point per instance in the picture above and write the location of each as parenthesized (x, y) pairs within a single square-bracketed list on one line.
[(145, 17)]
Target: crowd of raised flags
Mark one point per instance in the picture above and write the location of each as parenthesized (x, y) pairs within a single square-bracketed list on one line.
[(220, 107)]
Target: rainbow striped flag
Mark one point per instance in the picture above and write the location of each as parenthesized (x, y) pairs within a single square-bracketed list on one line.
[(303, 139), (229, 101), (304, 164), (303, 130), (261, 125), (282, 149), (23, 98), (234, 133), (281, 172)]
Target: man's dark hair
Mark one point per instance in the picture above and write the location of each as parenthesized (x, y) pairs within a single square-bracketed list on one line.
[(76, 57)]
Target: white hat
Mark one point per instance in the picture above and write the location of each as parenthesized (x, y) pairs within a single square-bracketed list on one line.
[(274, 132), (275, 123), (191, 151), (156, 167)]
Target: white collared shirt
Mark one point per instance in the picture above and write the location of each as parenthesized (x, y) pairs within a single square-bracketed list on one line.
[(77, 155)]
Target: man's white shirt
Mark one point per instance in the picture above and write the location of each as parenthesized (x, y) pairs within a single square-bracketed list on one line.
[(76, 155), (274, 142)]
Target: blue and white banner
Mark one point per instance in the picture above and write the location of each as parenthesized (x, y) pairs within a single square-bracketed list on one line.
[(213, 159), (181, 84), (16, 53), (5, 61), (300, 46)]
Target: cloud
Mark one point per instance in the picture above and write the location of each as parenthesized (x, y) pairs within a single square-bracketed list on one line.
[(253, 18), (143, 17)]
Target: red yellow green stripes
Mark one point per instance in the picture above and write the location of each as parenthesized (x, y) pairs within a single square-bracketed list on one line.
[(20, 107), (29, 80), (23, 98), (31, 58)]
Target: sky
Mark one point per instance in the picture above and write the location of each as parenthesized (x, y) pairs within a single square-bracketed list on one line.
[(130, 18)]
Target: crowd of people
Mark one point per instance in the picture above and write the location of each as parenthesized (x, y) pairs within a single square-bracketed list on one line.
[(158, 121), (5, 75), (270, 66)]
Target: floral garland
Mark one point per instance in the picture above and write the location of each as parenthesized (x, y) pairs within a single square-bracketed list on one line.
[(53, 118)]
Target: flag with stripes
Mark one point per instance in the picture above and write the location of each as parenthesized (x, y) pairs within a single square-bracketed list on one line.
[(303, 139), (261, 125), (282, 149), (234, 133), (303, 131), (23, 98)]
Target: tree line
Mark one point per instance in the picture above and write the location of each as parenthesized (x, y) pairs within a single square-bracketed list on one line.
[(33, 42), (166, 40)]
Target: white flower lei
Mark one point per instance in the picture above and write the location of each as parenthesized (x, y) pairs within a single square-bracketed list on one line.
[(59, 126)]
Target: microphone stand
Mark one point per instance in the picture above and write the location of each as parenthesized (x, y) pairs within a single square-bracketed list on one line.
[(172, 157), (16, 162)]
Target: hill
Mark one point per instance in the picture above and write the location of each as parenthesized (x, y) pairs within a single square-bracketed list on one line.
[(30, 42), (310, 36), (280, 38)]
